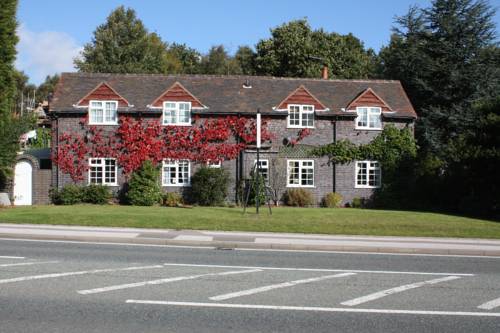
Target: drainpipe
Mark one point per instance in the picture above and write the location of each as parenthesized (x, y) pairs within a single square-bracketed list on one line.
[(334, 167)]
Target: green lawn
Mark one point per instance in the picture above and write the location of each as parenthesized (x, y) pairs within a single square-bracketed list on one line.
[(346, 221)]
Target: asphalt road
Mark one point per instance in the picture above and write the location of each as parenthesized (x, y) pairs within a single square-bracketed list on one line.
[(84, 287)]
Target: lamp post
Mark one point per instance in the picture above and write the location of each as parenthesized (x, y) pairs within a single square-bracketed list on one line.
[(257, 169)]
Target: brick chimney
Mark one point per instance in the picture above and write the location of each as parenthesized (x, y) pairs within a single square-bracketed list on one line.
[(324, 72)]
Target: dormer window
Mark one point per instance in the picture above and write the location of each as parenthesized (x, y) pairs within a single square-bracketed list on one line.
[(300, 116), (369, 118), (177, 113), (103, 112)]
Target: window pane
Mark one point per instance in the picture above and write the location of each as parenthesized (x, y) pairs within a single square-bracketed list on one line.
[(361, 176), (96, 116), (184, 113), (294, 116), (183, 172), (169, 116), (263, 169), (308, 119), (362, 120), (293, 172), (110, 112), (110, 171)]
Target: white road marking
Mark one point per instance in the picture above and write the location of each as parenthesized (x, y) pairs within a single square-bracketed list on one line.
[(399, 289), (161, 281), (29, 263), (194, 238), (244, 249), (276, 286), (11, 257), (318, 269), (317, 309), (56, 275), (490, 305)]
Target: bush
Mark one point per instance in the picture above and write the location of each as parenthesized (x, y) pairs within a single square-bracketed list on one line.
[(172, 199), (252, 196), (357, 203), (68, 195), (209, 186), (298, 197), (96, 194), (143, 187), (332, 200)]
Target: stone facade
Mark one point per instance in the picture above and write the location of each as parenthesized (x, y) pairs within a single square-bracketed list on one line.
[(327, 178)]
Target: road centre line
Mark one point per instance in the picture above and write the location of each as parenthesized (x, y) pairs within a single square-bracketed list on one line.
[(318, 269), (28, 263), (11, 257), (276, 286), (56, 275), (316, 309), (490, 305), (387, 292), (161, 281)]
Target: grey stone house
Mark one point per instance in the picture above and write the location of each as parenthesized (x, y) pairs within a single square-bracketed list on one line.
[(330, 109)]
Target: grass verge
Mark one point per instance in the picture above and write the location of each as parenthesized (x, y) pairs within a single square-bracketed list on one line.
[(284, 219)]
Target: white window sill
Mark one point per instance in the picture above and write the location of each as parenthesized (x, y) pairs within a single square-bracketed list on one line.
[(176, 185), (300, 127), (104, 184), (305, 186), (366, 186), (108, 124), (178, 124), (367, 129)]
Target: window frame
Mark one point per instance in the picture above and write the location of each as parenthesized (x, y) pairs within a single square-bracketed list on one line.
[(368, 168), (103, 171), (369, 114), (301, 161), (177, 113), (214, 164), (301, 112), (176, 163), (103, 108), (266, 179)]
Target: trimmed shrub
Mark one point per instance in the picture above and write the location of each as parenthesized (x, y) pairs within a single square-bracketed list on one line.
[(172, 199), (252, 196), (298, 197), (68, 195), (209, 186), (143, 187), (332, 200), (96, 194), (357, 203)]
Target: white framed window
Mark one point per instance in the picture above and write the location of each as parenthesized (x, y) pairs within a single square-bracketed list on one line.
[(300, 116), (369, 118), (103, 171), (263, 168), (176, 173), (103, 112), (214, 164), (368, 174), (177, 113), (300, 173)]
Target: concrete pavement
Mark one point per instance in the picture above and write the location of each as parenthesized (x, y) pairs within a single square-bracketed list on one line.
[(256, 240)]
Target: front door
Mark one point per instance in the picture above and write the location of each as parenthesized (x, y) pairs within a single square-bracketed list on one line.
[(22, 183)]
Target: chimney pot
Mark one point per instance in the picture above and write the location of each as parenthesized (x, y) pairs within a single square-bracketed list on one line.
[(324, 73)]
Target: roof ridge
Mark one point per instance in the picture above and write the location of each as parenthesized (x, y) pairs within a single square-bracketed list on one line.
[(233, 76)]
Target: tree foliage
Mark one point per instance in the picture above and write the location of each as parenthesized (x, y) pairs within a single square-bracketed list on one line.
[(143, 186), (293, 49), (123, 45), (11, 125)]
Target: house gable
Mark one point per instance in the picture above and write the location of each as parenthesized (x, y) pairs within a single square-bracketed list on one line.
[(177, 93), (368, 98), (301, 96), (103, 92)]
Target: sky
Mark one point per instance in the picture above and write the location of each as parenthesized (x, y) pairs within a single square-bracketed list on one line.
[(53, 32)]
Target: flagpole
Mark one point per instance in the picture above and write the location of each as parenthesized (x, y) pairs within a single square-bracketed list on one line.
[(257, 186)]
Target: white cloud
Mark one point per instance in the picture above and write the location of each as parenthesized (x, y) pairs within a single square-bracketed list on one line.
[(45, 53)]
